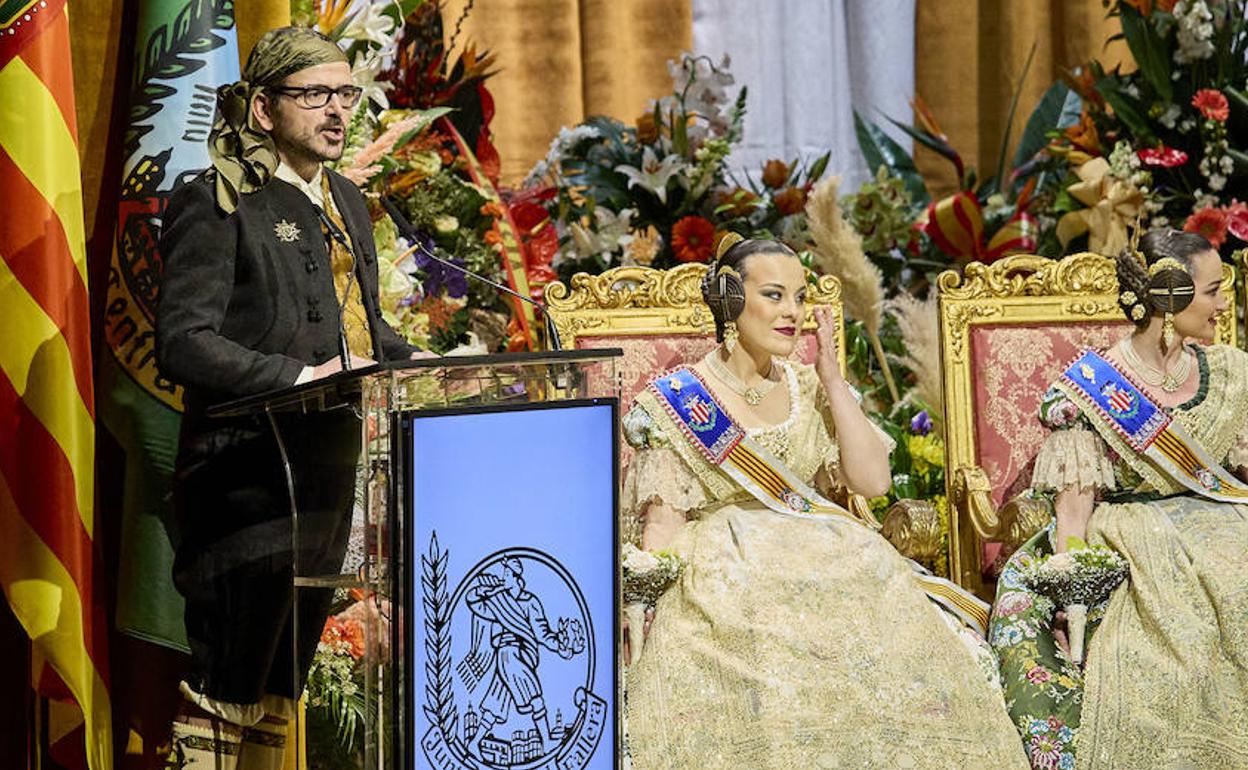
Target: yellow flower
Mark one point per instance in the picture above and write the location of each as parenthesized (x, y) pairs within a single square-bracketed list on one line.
[(1065, 681), (643, 247), (926, 452)]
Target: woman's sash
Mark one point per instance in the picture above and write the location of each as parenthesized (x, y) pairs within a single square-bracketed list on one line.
[(712, 432), (1105, 394)]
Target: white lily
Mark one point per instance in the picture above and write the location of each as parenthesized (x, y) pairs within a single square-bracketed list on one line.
[(364, 72), (371, 25), (654, 174)]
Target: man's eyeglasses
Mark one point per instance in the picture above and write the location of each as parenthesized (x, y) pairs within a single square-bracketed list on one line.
[(316, 97)]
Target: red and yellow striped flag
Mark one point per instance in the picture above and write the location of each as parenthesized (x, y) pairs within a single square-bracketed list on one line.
[(47, 420)]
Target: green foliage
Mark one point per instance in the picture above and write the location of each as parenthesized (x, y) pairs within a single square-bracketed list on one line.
[(880, 150)]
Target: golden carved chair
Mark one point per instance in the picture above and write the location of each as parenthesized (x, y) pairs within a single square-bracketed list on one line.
[(659, 320), (1006, 331)]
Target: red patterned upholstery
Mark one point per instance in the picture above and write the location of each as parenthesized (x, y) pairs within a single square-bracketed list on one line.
[(1014, 365)]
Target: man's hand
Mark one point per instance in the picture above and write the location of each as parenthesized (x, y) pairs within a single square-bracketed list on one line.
[(334, 365)]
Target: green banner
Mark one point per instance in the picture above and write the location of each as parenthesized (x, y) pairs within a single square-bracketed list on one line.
[(185, 49)]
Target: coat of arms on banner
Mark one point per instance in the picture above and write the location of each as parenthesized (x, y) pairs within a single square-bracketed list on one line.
[(509, 661)]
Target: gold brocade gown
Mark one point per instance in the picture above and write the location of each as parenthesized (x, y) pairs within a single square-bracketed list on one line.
[(792, 642)]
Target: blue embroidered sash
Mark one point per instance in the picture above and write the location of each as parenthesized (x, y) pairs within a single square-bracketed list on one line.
[(710, 430), (1108, 395)]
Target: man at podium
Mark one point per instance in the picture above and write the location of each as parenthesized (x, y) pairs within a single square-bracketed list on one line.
[(270, 281)]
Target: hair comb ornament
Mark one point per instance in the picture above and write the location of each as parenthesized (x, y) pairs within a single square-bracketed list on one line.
[(729, 240)]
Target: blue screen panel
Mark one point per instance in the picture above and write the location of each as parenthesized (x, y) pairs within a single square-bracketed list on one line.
[(512, 548)]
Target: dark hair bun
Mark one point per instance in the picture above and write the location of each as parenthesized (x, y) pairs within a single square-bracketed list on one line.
[(1158, 277), (1132, 287), (1170, 289)]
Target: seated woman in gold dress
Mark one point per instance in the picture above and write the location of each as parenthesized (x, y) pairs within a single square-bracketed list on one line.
[(1143, 435), (796, 637)]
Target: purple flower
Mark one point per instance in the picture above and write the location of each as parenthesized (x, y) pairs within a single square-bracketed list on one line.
[(921, 423), (437, 275)]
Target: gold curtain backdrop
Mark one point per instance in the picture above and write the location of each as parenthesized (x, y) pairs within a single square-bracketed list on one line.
[(561, 61), (970, 55)]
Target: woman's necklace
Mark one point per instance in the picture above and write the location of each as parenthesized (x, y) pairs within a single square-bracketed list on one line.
[(752, 395), (1168, 380)]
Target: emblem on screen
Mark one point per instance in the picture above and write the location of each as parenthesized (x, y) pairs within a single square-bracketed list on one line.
[(509, 664)]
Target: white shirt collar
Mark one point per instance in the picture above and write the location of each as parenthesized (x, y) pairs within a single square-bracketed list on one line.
[(312, 189)]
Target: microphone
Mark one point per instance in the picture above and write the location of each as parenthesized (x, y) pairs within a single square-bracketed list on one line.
[(344, 353), (406, 229)]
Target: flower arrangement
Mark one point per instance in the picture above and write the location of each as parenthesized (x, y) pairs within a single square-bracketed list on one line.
[(423, 139), (334, 693), (1075, 579), (644, 194), (1163, 137), (645, 576)]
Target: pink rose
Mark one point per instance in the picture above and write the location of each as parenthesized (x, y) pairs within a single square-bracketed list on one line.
[(1039, 675), (1013, 603)]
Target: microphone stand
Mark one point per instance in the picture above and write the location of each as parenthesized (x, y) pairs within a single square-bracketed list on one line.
[(409, 232)]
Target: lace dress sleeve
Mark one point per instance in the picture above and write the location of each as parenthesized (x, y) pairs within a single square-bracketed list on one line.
[(657, 473), (1073, 455)]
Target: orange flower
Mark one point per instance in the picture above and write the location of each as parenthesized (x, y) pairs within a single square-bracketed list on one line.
[(739, 203), (647, 129), (790, 200), (1210, 222), (1145, 7), (775, 174), (331, 14), (492, 209), (693, 239), (1212, 104), (350, 632), (1083, 135), (440, 314)]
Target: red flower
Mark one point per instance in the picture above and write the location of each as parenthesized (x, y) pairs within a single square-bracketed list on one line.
[(1163, 156), (693, 239), (1237, 219), (1211, 222), (1212, 104)]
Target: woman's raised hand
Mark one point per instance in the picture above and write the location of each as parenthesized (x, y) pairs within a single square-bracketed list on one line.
[(827, 360)]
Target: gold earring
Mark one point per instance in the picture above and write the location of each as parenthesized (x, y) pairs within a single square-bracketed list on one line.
[(1167, 330), (730, 336)]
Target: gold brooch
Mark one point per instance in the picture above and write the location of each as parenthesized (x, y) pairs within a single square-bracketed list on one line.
[(1127, 298), (286, 232)]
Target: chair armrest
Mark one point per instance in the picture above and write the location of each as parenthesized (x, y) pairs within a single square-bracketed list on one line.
[(973, 494), (913, 527), (1013, 524), (1023, 517)]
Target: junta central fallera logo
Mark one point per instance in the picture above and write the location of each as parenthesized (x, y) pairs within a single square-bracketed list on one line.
[(509, 664)]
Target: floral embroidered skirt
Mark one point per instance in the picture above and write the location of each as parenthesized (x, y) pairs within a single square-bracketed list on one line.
[(1043, 688), (1165, 680)]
